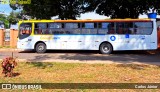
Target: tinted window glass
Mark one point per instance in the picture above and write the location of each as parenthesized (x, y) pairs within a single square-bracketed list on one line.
[(25, 30), (105, 25), (88, 25), (103, 28), (55, 25), (41, 28), (144, 28), (111, 28), (124, 28), (71, 25)]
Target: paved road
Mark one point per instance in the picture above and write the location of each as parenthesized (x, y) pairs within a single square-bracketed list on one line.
[(87, 56)]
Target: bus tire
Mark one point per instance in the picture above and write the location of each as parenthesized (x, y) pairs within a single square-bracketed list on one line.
[(106, 48), (40, 48)]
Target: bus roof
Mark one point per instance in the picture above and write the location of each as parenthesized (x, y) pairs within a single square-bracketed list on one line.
[(87, 20)]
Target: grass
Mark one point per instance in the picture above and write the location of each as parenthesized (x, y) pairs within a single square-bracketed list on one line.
[(48, 72), (6, 47)]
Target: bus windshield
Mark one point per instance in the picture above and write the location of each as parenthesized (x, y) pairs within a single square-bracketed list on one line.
[(25, 30)]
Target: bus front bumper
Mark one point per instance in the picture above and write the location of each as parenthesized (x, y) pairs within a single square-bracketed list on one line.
[(24, 45)]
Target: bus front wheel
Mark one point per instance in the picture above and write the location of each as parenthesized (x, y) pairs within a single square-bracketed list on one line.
[(106, 48), (40, 48)]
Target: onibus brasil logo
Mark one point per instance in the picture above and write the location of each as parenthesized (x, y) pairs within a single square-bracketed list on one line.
[(15, 1)]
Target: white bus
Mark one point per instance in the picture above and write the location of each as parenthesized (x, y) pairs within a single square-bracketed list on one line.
[(103, 35)]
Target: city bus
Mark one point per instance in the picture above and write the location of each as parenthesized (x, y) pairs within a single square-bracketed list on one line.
[(104, 35)]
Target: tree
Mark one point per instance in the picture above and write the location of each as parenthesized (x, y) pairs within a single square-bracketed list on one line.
[(70, 9), (45, 9), (12, 18), (126, 8), (3, 18)]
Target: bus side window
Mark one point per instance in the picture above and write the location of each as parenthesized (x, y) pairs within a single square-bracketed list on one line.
[(103, 28), (55, 28), (89, 28), (111, 29), (72, 28), (36, 29), (120, 28), (130, 27), (41, 28), (144, 28)]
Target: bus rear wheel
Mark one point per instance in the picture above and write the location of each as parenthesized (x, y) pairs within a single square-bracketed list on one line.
[(40, 48), (106, 48)]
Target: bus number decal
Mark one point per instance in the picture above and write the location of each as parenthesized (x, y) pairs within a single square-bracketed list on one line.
[(112, 38)]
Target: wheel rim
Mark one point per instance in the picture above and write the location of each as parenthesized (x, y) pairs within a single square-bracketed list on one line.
[(40, 48), (105, 48)]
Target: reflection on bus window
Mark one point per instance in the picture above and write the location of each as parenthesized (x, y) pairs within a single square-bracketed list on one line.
[(71, 25), (125, 28), (55, 25), (144, 28), (41, 28), (103, 28), (25, 29), (111, 28), (88, 25), (89, 28)]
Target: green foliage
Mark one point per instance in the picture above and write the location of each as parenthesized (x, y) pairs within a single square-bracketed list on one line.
[(70, 9), (40, 9), (126, 8), (14, 17), (45, 9), (3, 18)]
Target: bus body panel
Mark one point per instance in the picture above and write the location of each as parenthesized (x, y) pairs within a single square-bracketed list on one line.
[(92, 42)]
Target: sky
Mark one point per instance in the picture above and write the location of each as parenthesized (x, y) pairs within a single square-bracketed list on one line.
[(91, 15)]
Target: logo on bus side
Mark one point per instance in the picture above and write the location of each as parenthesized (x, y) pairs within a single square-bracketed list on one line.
[(112, 38), (45, 37), (56, 38)]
